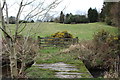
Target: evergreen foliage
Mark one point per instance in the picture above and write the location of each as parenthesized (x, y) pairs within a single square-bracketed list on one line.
[(61, 17), (12, 20), (32, 21), (92, 15), (71, 19)]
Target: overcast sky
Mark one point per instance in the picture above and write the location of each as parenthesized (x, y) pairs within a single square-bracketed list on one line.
[(68, 6), (80, 6)]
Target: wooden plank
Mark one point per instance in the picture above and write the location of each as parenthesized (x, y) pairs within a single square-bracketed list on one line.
[(57, 42), (54, 38)]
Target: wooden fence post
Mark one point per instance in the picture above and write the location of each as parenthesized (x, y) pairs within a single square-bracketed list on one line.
[(39, 41), (77, 40)]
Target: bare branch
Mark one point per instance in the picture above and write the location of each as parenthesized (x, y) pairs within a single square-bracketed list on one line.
[(22, 28), (7, 14), (17, 19), (7, 35), (28, 3), (3, 5), (38, 6), (3, 28), (51, 6)]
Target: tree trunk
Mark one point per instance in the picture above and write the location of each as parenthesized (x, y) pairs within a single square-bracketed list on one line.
[(11, 47), (13, 61)]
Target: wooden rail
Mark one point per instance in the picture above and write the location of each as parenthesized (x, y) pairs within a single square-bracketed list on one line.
[(56, 42)]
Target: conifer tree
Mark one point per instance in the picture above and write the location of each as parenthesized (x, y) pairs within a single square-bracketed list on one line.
[(92, 15), (61, 17)]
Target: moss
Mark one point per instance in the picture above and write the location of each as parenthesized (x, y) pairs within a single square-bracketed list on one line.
[(34, 72), (85, 75)]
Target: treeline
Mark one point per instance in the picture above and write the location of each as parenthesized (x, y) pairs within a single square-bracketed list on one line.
[(111, 13), (69, 18), (12, 20), (74, 19)]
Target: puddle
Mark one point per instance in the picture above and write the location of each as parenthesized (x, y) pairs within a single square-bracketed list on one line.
[(62, 70)]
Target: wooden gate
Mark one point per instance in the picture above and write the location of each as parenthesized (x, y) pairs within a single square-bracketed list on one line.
[(56, 42)]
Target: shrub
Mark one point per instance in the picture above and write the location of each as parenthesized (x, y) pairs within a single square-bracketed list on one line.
[(63, 34), (108, 21), (101, 36), (106, 48), (101, 52), (104, 38)]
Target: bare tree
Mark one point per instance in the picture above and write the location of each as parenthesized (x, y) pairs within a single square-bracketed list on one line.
[(38, 10)]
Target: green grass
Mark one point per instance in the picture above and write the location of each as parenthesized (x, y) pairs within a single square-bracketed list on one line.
[(34, 72), (82, 31), (51, 55)]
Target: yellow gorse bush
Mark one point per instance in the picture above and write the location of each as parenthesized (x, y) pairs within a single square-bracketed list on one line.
[(63, 34), (111, 39), (115, 38), (60, 36)]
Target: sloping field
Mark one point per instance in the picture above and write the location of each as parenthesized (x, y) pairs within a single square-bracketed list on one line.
[(82, 31)]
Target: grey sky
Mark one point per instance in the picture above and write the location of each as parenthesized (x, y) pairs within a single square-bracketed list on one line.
[(71, 6), (80, 6), (111, 0)]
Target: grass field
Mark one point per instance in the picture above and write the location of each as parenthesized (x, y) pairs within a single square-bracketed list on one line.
[(82, 31)]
